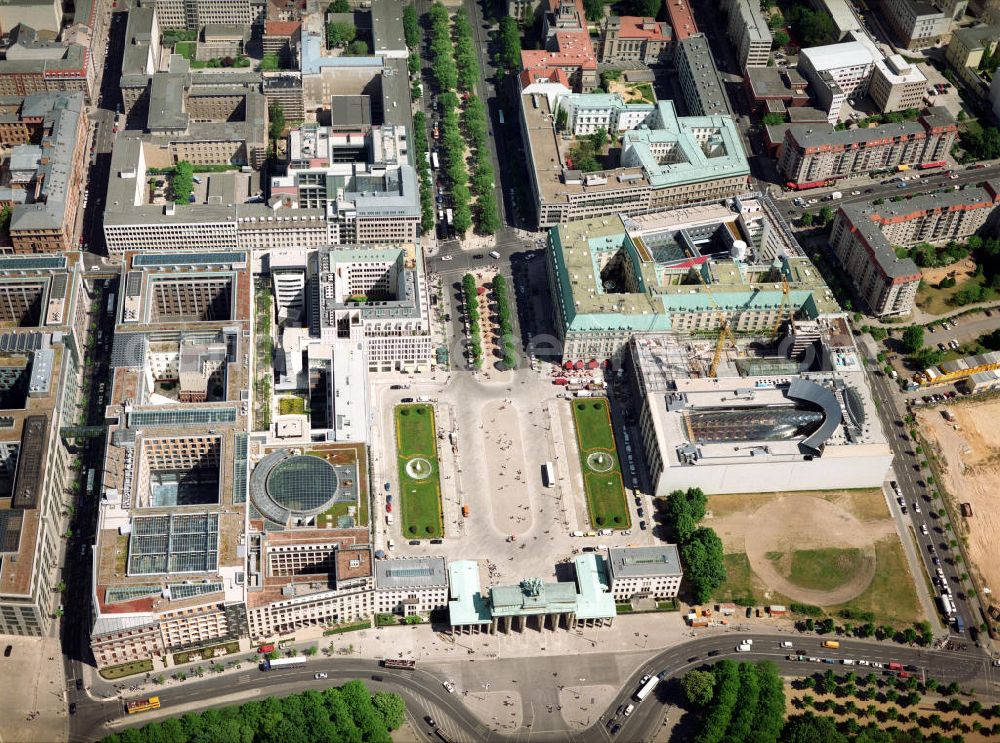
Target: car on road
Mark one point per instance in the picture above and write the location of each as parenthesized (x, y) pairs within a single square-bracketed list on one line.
[(628, 710), (388, 507), (407, 399), (437, 541), (414, 542), (855, 193), (923, 529), (713, 653), (615, 727), (430, 720), (644, 679), (642, 525), (916, 506), (449, 686), (72, 708), (321, 675), (478, 256), (447, 257)]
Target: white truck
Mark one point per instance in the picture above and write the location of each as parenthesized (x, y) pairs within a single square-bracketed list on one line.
[(835, 196), (744, 647)]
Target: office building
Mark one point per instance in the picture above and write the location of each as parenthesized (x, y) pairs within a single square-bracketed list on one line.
[(748, 31), (684, 270), (411, 586), (194, 15), (918, 24), (704, 93), (282, 38), (800, 420), (968, 46), (43, 15), (896, 85), (774, 91), (285, 90), (681, 18), (218, 41), (644, 572), (634, 39), (864, 239), (46, 179), (838, 73), (816, 153), (669, 160), (42, 306)]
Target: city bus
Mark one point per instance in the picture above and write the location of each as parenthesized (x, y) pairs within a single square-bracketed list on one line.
[(647, 688), (398, 663), (279, 663), (435, 162), (500, 114), (142, 705)]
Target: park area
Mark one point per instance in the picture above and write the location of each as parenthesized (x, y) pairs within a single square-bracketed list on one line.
[(419, 478), (837, 550), (602, 475)]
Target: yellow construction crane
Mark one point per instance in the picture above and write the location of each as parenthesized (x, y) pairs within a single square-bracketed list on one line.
[(725, 332), (781, 309)]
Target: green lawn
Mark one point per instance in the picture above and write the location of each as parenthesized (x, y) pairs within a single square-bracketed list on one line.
[(602, 481), (185, 49), (127, 669), (420, 506), (819, 569), (739, 586)]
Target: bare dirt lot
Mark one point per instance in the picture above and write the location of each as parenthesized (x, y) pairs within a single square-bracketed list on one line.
[(970, 454), (963, 270)]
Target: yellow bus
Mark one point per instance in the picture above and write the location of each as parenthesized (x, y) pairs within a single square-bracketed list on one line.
[(832, 644), (142, 705)]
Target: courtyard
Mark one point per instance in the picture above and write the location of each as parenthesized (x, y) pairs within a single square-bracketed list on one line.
[(419, 478), (602, 475)]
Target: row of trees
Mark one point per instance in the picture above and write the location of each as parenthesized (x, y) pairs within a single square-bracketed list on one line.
[(350, 714), (700, 547), (474, 118), (737, 702), (445, 72), (469, 290), (509, 38), (420, 160), (983, 143), (502, 295)]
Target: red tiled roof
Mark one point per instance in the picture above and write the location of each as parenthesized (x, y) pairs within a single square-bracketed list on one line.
[(632, 28), (681, 19), (574, 50), (281, 28)]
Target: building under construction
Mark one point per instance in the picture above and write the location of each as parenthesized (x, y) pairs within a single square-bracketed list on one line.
[(785, 416)]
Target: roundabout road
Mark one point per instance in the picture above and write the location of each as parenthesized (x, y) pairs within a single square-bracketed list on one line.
[(424, 693)]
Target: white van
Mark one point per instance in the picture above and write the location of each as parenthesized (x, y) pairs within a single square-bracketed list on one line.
[(388, 519), (786, 644), (628, 710), (743, 647), (494, 255), (576, 533)]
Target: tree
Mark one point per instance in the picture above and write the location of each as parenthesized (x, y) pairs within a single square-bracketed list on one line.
[(647, 8), (698, 687), (810, 728), (339, 33), (562, 118), (357, 48), (391, 707), (826, 215), (594, 9), (510, 43), (182, 182), (277, 121), (339, 6), (807, 219), (773, 119), (913, 338), (269, 62), (781, 38), (411, 27), (704, 564)]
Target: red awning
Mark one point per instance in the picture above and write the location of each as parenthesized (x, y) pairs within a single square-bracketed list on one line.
[(568, 365), (481, 290), (592, 364), (578, 365)]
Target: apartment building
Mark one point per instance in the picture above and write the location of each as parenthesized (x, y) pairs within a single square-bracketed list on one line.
[(919, 24), (864, 237), (775, 90), (701, 86), (634, 39), (644, 572), (42, 301), (670, 160), (44, 15), (411, 586), (35, 65), (747, 29), (567, 45), (968, 45), (816, 153), (46, 179)]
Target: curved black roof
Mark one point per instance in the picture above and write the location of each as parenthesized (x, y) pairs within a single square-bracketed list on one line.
[(822, 397)]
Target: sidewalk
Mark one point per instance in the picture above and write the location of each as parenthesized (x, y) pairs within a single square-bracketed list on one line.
[(34, 704)]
